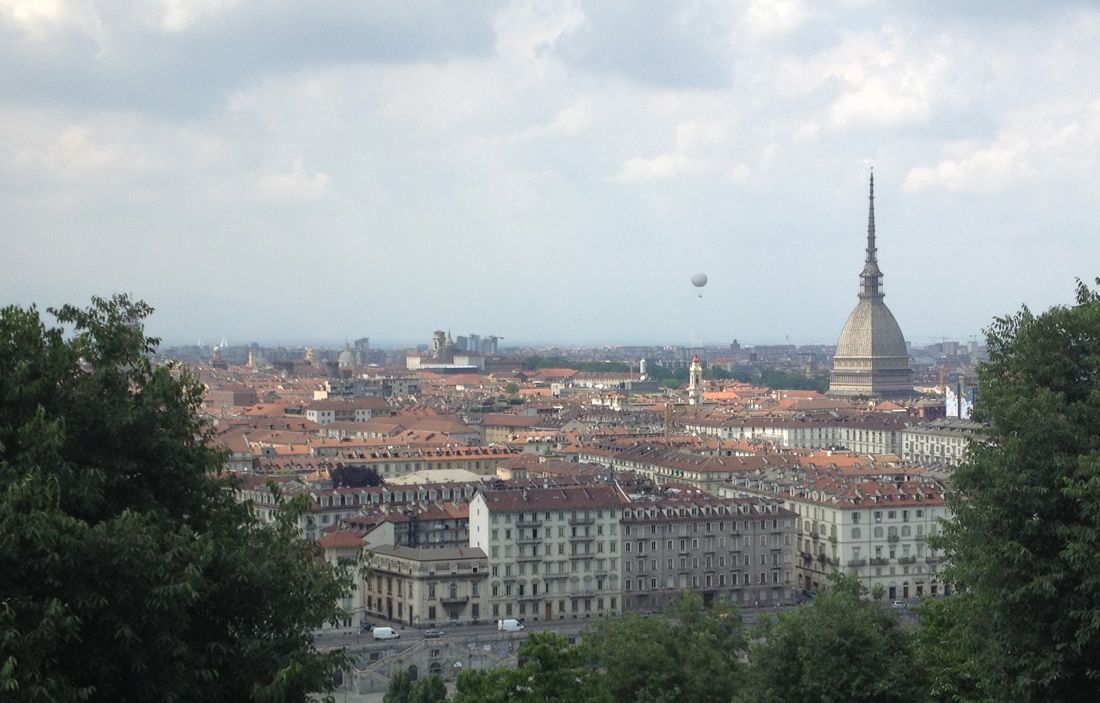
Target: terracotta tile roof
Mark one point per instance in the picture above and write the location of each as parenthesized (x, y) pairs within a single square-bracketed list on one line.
[(341, 539), (564, 498)]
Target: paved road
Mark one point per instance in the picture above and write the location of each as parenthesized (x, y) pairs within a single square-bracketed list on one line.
[(410, 635)]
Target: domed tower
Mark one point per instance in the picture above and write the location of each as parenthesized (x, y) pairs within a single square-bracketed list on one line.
[(871, 357), (695, 382)]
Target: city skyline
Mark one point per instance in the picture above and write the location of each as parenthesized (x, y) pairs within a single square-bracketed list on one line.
[(552, 172)]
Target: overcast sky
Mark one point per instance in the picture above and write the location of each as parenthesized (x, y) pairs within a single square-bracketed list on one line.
[(547, 171)]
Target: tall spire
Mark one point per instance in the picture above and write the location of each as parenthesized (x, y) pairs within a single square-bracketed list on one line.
[(871, 277)]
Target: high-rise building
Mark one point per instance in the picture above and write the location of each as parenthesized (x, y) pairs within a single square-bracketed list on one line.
[(871, 358)]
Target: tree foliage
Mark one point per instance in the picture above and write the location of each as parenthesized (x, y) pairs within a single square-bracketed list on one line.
[(129, 570), (838, 648), (1024, 541), (693, 655), (402, 689), (354, 476), (550, 671)]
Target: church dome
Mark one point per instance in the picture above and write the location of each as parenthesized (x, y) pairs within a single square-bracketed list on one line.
[(346, 360), (871, 331)]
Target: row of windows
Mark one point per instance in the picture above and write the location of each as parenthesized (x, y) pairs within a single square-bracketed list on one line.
[(708, 581), (573, 515), (708, 562), (746, 542), (723, 526)]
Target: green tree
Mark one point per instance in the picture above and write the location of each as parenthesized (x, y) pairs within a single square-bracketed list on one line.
[(693, 655), (400, 689), (430, 690), (512, 388), (1025, 534), (129, 570), (837, 648), (550, 671)]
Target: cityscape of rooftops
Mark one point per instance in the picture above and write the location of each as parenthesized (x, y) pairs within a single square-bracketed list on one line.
[(556, 350)]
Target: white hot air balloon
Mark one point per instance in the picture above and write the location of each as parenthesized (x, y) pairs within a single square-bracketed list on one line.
[(699, 280)]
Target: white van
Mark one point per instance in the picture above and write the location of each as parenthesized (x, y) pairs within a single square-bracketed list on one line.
[(509, 625), (385, 633)]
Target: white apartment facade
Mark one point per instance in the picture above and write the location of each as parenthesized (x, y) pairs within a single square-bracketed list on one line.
[(553, 553), (874, 529)]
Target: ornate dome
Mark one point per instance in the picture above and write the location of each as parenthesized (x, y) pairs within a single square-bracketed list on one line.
[(871, 331)]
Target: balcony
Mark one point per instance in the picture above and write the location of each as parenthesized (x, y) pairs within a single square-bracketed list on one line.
[(582, 538), (892, 538), (582, 521), (528, 540), (879, 561), (454, 600), (529, 557), (857, 562), (932, 560), (528, 522), (907, 560)]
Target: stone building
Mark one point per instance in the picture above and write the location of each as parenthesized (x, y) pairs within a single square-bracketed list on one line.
[(940, 443), (424, 587), (553, 552), (684, 540), (873, 527), (871, 358)]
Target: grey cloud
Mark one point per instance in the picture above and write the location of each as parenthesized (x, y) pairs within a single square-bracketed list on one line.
[(652, 42), (142, 67)]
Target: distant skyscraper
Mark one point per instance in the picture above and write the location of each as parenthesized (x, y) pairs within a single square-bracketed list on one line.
[(871, 356)]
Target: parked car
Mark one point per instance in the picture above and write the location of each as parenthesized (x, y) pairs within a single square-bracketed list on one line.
[(433, 633), (898, 604)]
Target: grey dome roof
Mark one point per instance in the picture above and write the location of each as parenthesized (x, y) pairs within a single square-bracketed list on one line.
[(871, 331)]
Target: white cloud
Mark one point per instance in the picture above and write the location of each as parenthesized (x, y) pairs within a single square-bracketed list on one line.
[(767, 18), (694, 153), (659, 167), (295, 185), (984, 169), (1048, 142), (528, 29), (33, 15), (179, 15)]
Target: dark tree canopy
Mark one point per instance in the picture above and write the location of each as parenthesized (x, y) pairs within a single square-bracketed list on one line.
[(129, 570), (692, 656), (838, 648), (1025, 538), (354, 476), (550, 671)]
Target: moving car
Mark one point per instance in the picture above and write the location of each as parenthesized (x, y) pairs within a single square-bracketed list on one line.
[(385, 633), (509, 625), (433, 633)]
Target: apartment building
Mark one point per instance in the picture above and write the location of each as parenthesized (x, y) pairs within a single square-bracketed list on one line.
[(553, 553), (875, 528), (425, 587), (869, 433), (682, 540), (357, 410), (940, 443), (394, 461)]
